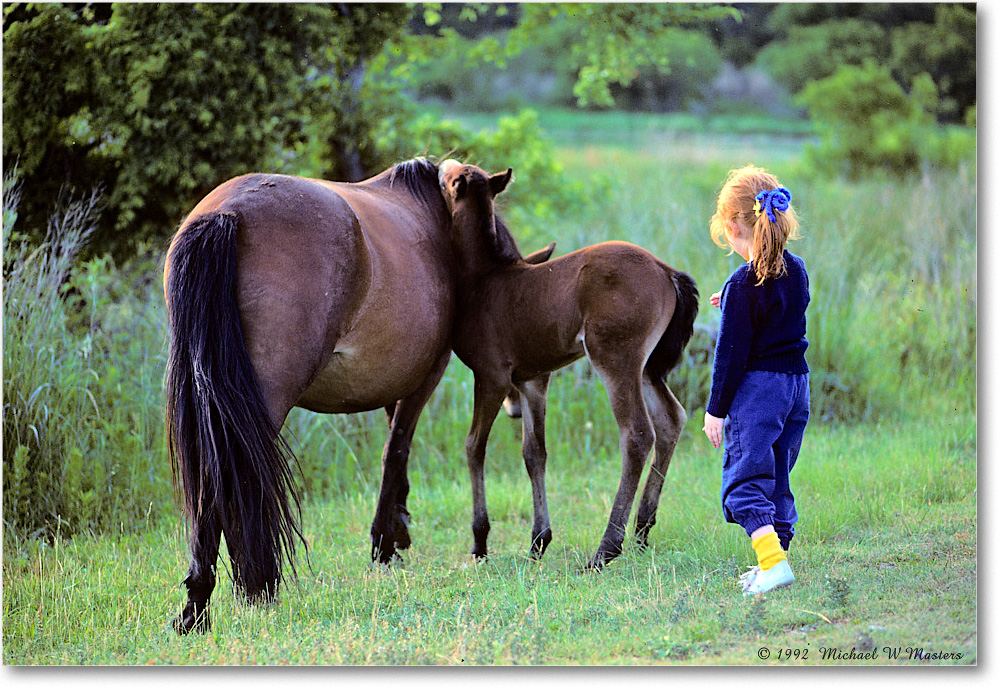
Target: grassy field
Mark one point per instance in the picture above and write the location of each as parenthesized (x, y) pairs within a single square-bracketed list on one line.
[(886, 550), (885, 558)]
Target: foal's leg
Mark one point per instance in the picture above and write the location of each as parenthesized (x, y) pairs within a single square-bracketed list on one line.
[(533, 449), (623, 382), (668, 418), (488, 400), (200, 579), (390, 526)]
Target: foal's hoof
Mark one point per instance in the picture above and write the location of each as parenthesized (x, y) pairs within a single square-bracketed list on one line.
[(194, 618), (642, 534), (539, 543)]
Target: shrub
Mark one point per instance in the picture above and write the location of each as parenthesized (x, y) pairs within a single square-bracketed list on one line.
[(867, 122)]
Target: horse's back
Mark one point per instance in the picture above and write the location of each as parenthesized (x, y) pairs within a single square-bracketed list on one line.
[(344, 290), (612, 289)]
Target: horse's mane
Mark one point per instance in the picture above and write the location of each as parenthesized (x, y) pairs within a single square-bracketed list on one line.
[(420, 177), (507, 250)]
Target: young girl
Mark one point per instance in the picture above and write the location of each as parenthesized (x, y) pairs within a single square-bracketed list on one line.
[(760, 381)]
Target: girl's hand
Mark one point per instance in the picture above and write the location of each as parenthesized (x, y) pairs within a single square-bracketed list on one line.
[(713, 429), (716, 299)]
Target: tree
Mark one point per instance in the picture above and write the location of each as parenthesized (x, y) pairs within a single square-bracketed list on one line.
[(814, 40), (158, 103), (946, 50)]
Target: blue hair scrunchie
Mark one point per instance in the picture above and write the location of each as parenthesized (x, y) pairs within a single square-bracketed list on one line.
[(774, 200)]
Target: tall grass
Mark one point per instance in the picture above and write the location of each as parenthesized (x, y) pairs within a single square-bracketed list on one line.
[(82, 365), (892, 265)]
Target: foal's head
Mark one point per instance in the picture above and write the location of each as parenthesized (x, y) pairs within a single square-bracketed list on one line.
[(469, 193)]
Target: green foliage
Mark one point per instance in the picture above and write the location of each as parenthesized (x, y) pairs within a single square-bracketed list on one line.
[(83, 358), (157, 103), (692, 61), (586, 47), (867, 122), (498, 72), (539, 74)]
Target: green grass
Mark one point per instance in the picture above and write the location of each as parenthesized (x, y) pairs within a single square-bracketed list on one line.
[(886, 550)]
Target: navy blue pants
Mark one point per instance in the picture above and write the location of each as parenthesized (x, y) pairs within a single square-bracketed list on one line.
[(763, 435)]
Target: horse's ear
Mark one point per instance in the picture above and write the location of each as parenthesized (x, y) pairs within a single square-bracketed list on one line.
[(500, 180), (461, 186)]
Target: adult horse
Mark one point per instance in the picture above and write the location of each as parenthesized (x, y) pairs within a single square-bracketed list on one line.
[(628, 312), (285, 291)]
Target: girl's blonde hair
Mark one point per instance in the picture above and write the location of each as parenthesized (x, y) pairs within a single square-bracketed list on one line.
[(736, 202)]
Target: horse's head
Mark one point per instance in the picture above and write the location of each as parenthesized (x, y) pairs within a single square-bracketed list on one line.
[(469, 193)]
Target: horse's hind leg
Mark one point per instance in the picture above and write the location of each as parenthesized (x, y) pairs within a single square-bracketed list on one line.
[(200, 579), (390, 527), (668, 418), (623, 382), (535, 455), (488, 400)]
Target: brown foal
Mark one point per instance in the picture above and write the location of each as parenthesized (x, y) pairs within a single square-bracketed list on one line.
[(627, 311)]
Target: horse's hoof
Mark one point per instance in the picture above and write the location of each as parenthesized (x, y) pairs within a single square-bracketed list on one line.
[(381, 555), (400, 528), (601, 558), (386, 559)]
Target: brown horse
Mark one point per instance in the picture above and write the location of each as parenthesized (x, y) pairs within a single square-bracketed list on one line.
[(285, 291), (627, 311)]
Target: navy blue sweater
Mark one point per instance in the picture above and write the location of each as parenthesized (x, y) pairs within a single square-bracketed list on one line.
[(763, 329)]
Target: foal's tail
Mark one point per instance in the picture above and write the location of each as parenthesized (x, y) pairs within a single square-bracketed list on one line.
[(234, 468), (667, 353)]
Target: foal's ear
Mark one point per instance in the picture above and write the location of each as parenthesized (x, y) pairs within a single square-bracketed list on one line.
[(461, 186), (500, 180)]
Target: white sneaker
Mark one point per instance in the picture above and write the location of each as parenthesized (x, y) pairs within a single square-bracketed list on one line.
[(749, 575), (759, 580)]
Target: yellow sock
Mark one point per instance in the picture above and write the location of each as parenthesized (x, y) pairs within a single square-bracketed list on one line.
[(768, 549)]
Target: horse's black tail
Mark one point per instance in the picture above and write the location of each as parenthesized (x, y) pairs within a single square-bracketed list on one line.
[(667, 353), (234, 468)]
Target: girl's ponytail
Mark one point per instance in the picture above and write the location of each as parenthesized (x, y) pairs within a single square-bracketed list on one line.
[(774, 224)]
